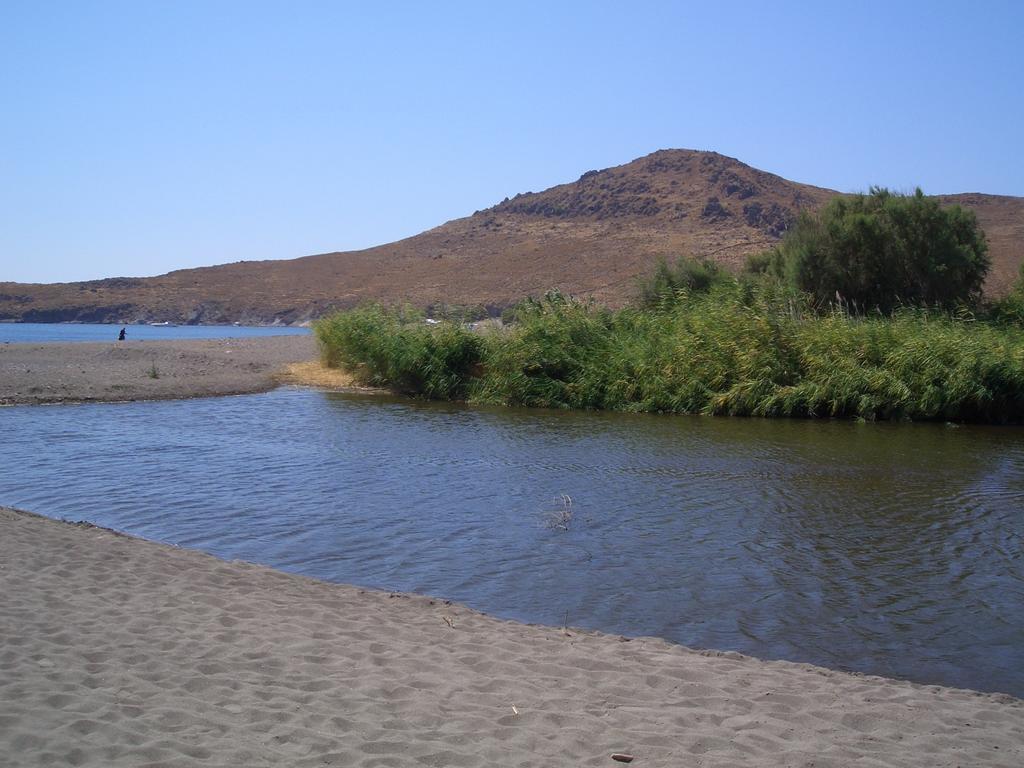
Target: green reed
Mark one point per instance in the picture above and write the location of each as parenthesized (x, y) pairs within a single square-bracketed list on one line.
[(397, 349), (739, 349)]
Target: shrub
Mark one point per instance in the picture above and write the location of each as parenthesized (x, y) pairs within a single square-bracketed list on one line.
[(884, 250), (670, 282), (1010, 309), (765, 263)]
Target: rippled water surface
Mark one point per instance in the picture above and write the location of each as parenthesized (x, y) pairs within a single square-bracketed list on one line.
[(23, 333), (886, 549)]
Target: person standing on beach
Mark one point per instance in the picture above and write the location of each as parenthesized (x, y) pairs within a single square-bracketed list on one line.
[(120, 336)]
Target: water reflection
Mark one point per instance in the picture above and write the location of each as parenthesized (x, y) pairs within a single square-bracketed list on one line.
[(888, 549)]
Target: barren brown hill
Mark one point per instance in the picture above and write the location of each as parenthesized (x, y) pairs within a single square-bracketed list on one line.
[(592, 237)]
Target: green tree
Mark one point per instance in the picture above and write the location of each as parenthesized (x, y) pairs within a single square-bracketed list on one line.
[(883, 250)]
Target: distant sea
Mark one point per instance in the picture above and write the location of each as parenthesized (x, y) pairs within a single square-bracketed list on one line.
[(31, 333)]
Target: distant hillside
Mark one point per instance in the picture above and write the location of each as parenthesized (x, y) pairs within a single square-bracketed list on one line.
[(592, 237)]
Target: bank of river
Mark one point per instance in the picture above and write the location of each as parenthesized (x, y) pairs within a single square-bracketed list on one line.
[(122, 652), (885, 549), (37, 333), (148, 370)]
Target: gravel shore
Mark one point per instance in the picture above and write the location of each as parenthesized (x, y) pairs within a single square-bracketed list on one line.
[(146, 370)]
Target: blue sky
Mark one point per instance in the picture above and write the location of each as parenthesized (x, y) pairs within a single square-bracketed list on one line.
[(141, 137)]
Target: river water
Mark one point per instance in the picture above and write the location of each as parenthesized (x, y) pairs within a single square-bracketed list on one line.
[(20, 333), (880, 548)]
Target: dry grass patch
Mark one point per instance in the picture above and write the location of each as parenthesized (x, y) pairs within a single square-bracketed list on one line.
[(314, 373)]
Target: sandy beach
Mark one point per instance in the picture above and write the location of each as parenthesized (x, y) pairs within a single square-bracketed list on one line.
[(147, 370), (121, 652)]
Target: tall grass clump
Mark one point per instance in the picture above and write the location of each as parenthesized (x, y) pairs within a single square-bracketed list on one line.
[(739, 348), (547, 358), (915, 364), (398, 349)]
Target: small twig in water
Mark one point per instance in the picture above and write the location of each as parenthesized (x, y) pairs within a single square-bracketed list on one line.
[(560, 517)]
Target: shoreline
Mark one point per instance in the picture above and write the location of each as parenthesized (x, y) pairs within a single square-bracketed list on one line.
[(45, 373), (121, 651)]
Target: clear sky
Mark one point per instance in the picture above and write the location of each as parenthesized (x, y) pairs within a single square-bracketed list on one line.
[(140, 137)]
